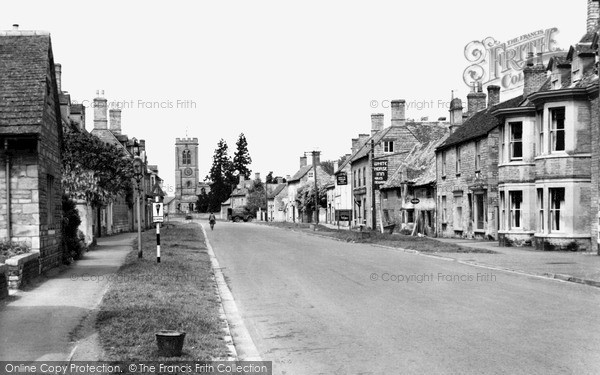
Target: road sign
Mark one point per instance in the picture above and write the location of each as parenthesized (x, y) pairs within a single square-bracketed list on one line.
[(157, 191), (158, 212), (343, 215), (415, 201)]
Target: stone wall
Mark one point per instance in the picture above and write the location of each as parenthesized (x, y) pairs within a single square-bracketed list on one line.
[(3, 281), (22, 269)]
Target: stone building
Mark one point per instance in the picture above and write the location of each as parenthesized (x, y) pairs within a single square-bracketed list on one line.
[(548, 175), (408, 198), (304, 178), (30, 138), (186, 173), (391, 145), (467, 168)]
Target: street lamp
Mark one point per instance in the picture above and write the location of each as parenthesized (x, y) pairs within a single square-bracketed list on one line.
[(138, 175)]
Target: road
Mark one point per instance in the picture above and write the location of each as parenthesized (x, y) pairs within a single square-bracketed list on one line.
[(318, 306)]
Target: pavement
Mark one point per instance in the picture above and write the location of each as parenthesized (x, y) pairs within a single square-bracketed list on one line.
[(53, 320), (313, 305), (578, 267)]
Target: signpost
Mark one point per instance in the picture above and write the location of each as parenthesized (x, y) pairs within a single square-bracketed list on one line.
[(158, 214), (342, 178), (380, 172), (415, 201)]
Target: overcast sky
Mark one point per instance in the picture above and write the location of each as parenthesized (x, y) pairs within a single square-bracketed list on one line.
[(292, 76)]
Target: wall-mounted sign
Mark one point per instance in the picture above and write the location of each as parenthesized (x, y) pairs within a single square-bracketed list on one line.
[(380, 172), (343, 215), (342, 178), (415, 201)]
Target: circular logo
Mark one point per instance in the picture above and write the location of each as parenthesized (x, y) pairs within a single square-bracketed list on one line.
[(188, 171)]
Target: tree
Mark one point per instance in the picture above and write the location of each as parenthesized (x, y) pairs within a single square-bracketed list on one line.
[(256, 198), (222, 177), (93, 170), (327, 167), (270, 179), (203, 203), (241, 158)]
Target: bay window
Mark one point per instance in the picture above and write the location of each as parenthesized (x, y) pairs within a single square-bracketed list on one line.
[(516, 199), (557, 129), (516, 140)]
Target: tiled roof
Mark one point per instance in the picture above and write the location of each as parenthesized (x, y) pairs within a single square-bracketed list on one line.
[(479, 124), (24, 63)]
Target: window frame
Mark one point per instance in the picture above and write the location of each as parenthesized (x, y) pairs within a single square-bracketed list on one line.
[(388, 146), (540, 207), (483, 212), (458, 211), (552, 210), (478, 155), (553, 131), (515, 141), (458, 161), (515, 212)]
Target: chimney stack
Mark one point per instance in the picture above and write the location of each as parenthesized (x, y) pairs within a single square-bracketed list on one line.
[(398, 112), (303, 161), (280, 180), (336, 166), (242, 179), (58, 72), (493, 95), (534, 75), (115, 121), (456, 114), (354, 145), (376, 122), (100, 112), (257, 176), (475, 100), (316, 158), (288, 177), (593, 14), (15, 26), (362, 139)]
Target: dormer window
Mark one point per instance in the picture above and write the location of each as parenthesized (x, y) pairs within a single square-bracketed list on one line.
[(555, 81), (576, 70), (388, 146)]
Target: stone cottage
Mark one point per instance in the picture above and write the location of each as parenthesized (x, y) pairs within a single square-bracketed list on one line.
[(30, 139)]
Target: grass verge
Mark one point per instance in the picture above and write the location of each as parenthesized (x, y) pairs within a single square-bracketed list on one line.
[(422, 244), (177, 294)]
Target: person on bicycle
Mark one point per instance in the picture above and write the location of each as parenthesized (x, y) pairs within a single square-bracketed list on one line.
[(212, 220)]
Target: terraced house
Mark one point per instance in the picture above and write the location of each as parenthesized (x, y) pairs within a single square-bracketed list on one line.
[(548, 162), (467, 168), (390, 145), (30, 138)]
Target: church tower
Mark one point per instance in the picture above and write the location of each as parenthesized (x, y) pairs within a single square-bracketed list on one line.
[(186, 173)]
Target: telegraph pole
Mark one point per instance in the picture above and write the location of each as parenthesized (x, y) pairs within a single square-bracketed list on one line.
[(373, 209), (314, 161)]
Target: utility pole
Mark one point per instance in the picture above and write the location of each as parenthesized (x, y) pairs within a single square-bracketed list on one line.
[(314, 162), (373, 209)]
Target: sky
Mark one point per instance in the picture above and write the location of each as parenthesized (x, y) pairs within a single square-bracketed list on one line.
[(292, 76)]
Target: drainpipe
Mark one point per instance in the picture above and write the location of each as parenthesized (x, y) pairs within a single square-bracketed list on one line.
[(8, 221)]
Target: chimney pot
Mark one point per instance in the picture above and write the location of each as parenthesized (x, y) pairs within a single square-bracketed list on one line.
[(529, 58)]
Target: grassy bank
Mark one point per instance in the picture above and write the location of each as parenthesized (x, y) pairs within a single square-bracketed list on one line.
[(176, 294), (422, 244)]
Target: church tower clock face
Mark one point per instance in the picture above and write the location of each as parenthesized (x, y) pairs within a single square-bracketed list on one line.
[(188, 171)]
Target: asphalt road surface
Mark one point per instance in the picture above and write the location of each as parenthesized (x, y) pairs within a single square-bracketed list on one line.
[(319, 306)]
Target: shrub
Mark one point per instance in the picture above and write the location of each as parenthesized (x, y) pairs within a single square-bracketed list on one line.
[(10, 249), (72, 245)]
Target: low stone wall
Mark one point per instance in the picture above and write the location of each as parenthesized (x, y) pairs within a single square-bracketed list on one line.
[(3, 281), (22, 269)]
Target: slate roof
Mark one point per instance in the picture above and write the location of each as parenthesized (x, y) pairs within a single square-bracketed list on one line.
[(419, 165), (24, 62), (479, 124)]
